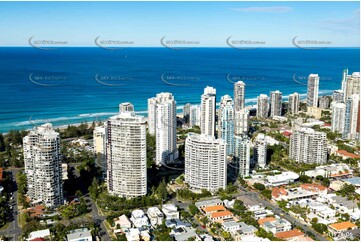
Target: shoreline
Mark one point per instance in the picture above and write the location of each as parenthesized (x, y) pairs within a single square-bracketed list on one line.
[(89, 115)]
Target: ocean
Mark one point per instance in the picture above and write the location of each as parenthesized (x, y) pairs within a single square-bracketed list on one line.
[(70, 85)]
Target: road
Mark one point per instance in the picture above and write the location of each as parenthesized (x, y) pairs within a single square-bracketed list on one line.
[(13, 231)]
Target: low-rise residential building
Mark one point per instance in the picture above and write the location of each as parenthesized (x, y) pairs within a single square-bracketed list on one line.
[(205, 237), (133, 234), (274, 225), (314, 188), (343, 205), (176, 223), (246, 229), (346, 155), (144, 234), (336, 185), (183, 233), (155, 216), (293, 235), (170, 211), (206, 203), (230, 226), (39, 234), (220, 216), (302, 192), (123, 222), (330, 171), (217, 213), (82, 234), (284, 178), (259, 211), (254, 238), (139, 219), (339, 230)]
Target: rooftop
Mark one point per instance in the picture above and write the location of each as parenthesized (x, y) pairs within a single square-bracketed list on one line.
[(278, 191), (208, 202), (221, 214), (313, 187), (78, 234), (289, 234), (353, 181), (264, 220), (345, 153), (343, 225), (214, 208)]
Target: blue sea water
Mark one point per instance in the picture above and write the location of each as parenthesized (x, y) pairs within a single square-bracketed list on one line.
[(70, 85)]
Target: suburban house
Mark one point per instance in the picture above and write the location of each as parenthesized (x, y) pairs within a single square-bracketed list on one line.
[(341, 231), (274, 225), (155, 216), (170, 211)]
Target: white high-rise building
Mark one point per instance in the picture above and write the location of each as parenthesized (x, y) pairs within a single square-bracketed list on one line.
[(338, 117), (308, 146), (352, 117), (242, 154), (99, 147), (166, 129), (338, 96), (260, 151), (262, 106), (294, 103), (208, 111), (162, 122), (276, 103), (226, 122), (126, 107), (152, 104), (241, 122), (43, 169), (205, 162), (195, 116), (186, 112), (312, 90), (324, 102), (126, 155), (239, 98), (350, 84)]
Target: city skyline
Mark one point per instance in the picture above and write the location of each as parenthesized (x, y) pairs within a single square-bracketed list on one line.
[(180, 121)]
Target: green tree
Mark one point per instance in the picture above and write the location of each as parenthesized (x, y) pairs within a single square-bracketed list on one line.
[(267, 194), (161, 191), (193, 209), (2, 143), (259, 186), (305, 179), (151, 142)]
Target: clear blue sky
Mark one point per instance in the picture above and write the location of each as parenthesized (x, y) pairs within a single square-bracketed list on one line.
[(210, 23)]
